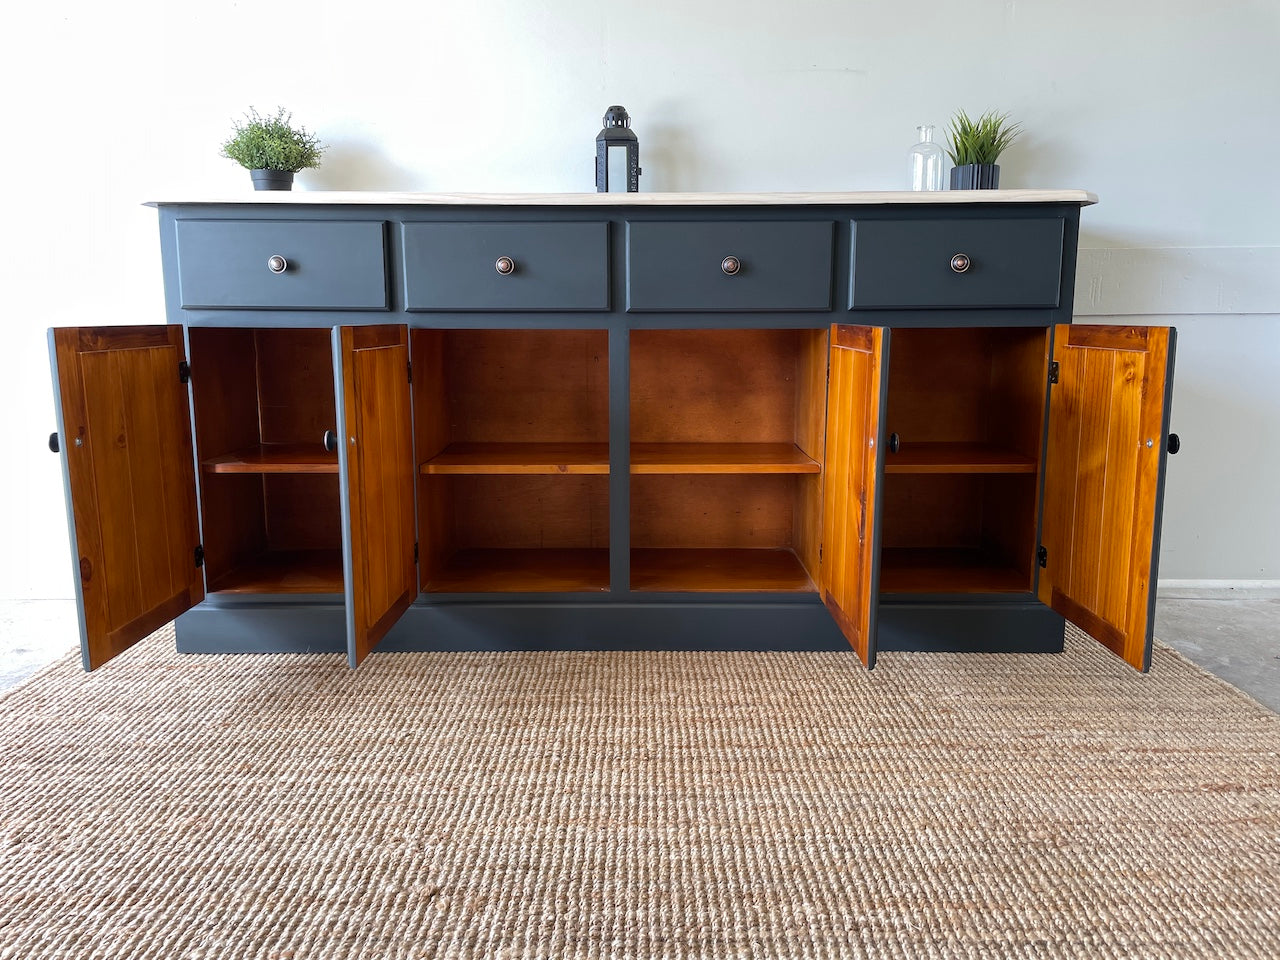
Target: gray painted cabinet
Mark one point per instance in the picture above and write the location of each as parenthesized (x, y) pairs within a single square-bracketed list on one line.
[(771, 423)]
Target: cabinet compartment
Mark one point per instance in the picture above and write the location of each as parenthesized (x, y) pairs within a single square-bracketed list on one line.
[(554, 266), (678, 266), (727, 430), (328, 265), (263, 399), (968, 405), (908, 263), (512, 428), (514, 534)]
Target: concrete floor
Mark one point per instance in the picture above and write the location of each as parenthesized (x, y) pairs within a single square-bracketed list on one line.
[(1239, 640)]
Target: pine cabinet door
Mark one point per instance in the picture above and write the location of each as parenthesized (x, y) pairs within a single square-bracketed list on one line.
[(1104, 481), (124, 437), (857, 397), (376, 471)]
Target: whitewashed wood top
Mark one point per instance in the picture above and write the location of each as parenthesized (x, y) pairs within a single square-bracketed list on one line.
[(379, 198)]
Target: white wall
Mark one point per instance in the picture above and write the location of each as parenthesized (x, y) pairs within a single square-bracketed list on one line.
[(1164, 109)]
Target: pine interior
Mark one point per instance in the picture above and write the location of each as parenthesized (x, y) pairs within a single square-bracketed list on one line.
[(266, 532), (529, 526), (708, 387), (956, 530)]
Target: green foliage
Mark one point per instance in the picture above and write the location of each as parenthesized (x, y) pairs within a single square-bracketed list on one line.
[(981, 140), (272, 143)]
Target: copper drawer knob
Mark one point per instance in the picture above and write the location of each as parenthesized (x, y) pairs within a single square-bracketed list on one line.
[(731, 266), (961, 262), (505, 266), (277, 264)]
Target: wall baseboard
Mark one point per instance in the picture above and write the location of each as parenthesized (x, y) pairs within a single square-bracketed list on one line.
[(1218, 590)]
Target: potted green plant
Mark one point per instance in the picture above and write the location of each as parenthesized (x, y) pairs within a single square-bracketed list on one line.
[(975, 145), (272, 149)]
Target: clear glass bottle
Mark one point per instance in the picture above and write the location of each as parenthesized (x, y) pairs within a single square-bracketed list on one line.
[(926, 161)]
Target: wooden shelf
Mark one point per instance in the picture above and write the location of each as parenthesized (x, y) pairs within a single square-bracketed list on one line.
[(519, 458), (948, 570), (717, 571), (285, 571), (957, 458), (721, 458), (275, 458), (523, 571)]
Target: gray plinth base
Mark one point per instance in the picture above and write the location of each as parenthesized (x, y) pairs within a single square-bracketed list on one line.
[(997, 627), (321, 627)]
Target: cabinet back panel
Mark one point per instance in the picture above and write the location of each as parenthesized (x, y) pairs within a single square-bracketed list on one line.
[(932, 510), (713, 511), (969, 384), (303, 512), (224, 386), (545, 386), (728, 386), (529, 512), (1009, 521), (295, 384), (234, 527)]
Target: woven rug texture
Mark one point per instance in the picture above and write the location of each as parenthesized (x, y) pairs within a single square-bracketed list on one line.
[(637, 805)]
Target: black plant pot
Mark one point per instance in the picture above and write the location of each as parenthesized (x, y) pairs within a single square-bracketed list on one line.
[(271, 179), (976, 176)]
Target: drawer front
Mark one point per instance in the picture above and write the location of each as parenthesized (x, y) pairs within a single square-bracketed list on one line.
[(906, 264), (553, 266), (678, 266), (328, 265)]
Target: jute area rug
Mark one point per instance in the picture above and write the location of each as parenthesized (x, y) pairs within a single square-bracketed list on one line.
[(641, 805)]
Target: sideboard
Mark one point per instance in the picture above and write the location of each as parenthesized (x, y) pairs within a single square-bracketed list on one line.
[(682, 421)]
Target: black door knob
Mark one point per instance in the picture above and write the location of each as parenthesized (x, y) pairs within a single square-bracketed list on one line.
[(1175, 443), (895, 443), (330, 441), (53, 443)]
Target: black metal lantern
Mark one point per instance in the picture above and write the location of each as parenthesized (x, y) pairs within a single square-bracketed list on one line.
[(617, 142)]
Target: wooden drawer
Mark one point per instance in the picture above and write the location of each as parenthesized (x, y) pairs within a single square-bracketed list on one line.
[(905, 264), (329, 265), (554, 266), (678, 266)]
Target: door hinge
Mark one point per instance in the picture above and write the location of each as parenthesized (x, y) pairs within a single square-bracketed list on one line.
[(184, 371), (199, 554), (410, 366), (1053, 371), (1042, 556), (415, 553)]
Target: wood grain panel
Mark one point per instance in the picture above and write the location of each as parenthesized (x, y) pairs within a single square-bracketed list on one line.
[(529, 512), (721, 458), (224, 391), (296, 401), (718, 571), (303, 511), (811, 438), (497, 570), (545, 386), (131, 478), (712, 511), (430, 437), (380, 473), (928, 457), (714, 386), (274, 458), (1107, 435), (848, 573)]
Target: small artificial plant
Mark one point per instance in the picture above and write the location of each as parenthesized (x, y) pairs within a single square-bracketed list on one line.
[(272, 143), (981, 140)]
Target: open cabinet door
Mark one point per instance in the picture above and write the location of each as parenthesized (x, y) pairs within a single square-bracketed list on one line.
[(124, 437), (1104, 479), (849, 571), (376, 470)]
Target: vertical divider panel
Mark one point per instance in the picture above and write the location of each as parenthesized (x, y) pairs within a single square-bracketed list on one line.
[(619, 459)]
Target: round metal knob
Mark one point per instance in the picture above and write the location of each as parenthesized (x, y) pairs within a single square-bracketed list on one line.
[(330, 441), (1175, 443), (961, 262), (505, 266), (277, 264), (53, 443), (895, 443), (731, 266)]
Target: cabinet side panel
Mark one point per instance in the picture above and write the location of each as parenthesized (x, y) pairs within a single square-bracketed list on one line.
[(810, 432)]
